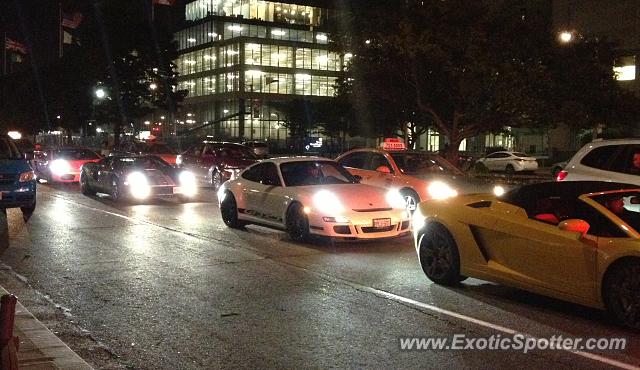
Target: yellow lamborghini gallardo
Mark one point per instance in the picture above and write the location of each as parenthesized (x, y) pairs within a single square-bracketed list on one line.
[(577, 241)]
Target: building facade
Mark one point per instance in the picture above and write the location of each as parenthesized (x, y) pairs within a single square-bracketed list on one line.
[(237, 57)]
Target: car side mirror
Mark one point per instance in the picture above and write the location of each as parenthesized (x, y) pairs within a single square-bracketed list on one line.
[(383, 169), (574, 225), (357, 178), (28, 155)]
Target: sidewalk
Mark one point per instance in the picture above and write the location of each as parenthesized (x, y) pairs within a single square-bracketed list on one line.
[(40, 349)]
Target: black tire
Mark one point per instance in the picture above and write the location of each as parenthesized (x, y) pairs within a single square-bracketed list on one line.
[(621, 293), (229, 212), (480, 168), (510, 170), (439, 257), (411, 199), (116, 191), (85, 188), (216, 180), (27, 212), (297, 223)]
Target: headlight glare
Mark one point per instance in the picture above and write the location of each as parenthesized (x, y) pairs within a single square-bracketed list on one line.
[(441, 190), (498, 191), (327, 203), (395, 199), (138, 185), (59, 167), (188, 183)]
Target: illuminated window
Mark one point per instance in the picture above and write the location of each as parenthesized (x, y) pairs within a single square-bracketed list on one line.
[(625, 68)]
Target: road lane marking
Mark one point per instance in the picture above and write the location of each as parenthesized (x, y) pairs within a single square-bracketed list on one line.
[(459, 316), (391, 296)]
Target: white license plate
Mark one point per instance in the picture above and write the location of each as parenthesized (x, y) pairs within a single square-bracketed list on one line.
[(380, 223)]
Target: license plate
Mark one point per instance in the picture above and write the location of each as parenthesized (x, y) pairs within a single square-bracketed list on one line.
[(380, 223)]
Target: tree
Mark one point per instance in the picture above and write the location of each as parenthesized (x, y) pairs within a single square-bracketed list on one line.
[(299, 117), (433, 65), (461, 72)]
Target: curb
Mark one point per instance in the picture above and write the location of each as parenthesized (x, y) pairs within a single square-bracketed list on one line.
[(40, 349)]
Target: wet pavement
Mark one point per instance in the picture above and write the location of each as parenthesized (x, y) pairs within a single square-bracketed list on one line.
[(167, 285)]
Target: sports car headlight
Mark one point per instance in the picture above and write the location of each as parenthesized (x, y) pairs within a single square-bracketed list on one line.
[(59, 167), (138, 185), (440, 190), (188, 183), (327, 203), (395, 199)]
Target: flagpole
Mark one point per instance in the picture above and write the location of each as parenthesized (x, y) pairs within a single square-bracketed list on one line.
[(4, 54), (60, 46)]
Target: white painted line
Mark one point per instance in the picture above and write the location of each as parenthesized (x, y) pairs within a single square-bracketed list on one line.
[(486, 324), (401, 299)]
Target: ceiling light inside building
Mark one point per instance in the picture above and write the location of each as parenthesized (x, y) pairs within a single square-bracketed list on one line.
[(191, 39), (254, 47), (212, 34), (235, 27), (278, 32), (321, 37), (303, 76)]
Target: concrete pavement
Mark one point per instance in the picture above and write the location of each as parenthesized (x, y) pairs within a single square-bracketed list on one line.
[(39, 348)]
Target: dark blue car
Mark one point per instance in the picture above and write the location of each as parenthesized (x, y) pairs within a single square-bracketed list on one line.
[(17, 179)]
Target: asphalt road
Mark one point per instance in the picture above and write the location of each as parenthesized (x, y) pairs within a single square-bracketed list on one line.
[(167, 285)]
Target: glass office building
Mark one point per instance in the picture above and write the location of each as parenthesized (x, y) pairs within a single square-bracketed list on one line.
[(252, 53)]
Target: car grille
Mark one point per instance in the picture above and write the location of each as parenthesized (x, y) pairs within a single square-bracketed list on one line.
[(373, 209), (370, 229), (7, 179)]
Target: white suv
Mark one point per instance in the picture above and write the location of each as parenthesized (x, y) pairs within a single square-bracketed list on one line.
[(604, 160)]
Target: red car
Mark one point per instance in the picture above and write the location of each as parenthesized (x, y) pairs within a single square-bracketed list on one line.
[(214, 162), (63, 164)]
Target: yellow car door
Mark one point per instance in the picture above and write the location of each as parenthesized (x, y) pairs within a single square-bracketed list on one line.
[(540, 254)]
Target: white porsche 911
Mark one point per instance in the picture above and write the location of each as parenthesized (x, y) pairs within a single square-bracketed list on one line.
[(312, 195)]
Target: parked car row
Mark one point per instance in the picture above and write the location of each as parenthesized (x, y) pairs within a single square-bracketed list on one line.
[(572, 239)]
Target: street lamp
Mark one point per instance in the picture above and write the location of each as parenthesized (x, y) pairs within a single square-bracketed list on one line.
[(565, 36), (153, 86), (100, 93)]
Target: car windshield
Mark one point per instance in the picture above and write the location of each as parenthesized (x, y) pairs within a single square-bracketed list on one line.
[(147, 163), (625, 205), (235, 152), (302, 173), (8, 149), (74, 154), (158, 149), (423, 164)]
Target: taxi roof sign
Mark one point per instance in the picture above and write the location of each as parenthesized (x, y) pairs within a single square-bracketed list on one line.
[(393, 143)]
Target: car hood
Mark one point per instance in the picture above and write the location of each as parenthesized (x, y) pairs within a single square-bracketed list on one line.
[(463, 184), (352, 196), (14, 166)]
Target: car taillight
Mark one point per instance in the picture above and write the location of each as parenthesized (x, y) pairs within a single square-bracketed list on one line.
[(561, 175)]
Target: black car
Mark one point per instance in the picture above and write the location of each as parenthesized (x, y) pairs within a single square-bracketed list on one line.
[(136, 178)]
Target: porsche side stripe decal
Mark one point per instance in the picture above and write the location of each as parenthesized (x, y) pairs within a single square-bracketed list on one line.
[(475, 231)]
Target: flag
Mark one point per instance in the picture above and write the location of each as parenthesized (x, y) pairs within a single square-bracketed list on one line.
[(14, 45), (71, 20), (164, 2)]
